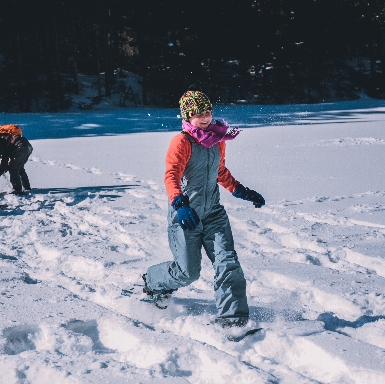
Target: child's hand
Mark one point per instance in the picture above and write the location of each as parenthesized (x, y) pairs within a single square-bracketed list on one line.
[(248, 194), (187, 217)]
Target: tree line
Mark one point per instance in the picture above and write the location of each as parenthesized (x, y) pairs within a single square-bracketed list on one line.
[(261, 51)]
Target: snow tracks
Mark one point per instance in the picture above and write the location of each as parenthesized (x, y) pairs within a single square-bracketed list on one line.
[(315, 270)]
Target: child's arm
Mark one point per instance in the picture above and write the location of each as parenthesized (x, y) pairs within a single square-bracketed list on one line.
[(178, 155), (235, 187), (225, 177)]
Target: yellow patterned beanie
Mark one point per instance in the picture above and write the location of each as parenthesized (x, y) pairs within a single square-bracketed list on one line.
[(192, 103)]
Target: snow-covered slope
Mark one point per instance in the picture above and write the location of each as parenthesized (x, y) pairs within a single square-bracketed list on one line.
[(313, 257)]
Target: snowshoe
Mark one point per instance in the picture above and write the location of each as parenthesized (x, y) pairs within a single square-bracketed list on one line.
[(156, 297), (237, 330), (228, 323), (237, 337)]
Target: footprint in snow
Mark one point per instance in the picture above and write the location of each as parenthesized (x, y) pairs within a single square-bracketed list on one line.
[(18, 339)]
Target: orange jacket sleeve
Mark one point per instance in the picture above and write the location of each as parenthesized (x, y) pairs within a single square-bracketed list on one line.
[(225, 177), (178, 155)]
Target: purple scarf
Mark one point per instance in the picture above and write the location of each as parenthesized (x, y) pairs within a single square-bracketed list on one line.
[(216, 132)]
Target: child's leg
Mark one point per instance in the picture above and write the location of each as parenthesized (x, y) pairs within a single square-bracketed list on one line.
[(24, 178), (229, 283), (17, 174), (23, 174), (15, 165), (186, 248)]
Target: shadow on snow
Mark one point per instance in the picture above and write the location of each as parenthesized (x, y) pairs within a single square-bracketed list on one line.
[(334, 323), (78, 194)]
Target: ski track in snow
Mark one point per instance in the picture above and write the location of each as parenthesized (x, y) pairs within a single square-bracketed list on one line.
[(315, 270)]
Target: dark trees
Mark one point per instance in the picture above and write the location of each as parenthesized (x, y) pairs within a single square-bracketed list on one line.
[(255, 50)]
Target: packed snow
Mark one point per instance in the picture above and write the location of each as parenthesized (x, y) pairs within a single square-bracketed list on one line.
[(313, 257)]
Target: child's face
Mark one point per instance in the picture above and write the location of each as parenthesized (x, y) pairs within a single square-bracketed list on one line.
[(201, 120)]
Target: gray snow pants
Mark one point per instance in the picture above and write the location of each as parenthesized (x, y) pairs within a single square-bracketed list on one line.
[(17, 174), (214, 234)]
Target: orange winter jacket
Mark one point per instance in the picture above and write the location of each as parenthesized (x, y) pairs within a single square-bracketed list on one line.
[(178, 155)]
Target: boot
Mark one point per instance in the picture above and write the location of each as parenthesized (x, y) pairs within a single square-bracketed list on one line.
[(151, 293)]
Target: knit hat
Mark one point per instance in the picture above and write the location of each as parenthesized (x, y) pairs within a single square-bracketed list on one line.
[(192, 103)]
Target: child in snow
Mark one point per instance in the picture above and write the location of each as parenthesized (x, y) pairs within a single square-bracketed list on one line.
[(195, 165), (15, 151)]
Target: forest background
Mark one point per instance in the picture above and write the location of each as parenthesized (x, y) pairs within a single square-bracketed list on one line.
[(149, 52)]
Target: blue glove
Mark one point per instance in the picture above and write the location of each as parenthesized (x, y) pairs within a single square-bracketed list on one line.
[(187, 217), (248, 194)]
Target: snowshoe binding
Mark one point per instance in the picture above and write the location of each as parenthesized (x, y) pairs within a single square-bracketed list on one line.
[(156, 297)]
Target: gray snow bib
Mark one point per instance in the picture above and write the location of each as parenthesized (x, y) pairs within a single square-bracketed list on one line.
[(200, 178)]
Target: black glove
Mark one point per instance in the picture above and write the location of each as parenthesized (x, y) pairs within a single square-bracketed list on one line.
[(248, 194), (187, 217)]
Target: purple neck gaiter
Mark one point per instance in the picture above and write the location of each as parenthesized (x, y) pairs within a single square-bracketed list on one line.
[(217, 131)]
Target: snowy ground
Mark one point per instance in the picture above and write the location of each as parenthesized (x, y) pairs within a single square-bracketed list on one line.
[(314, 256)]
